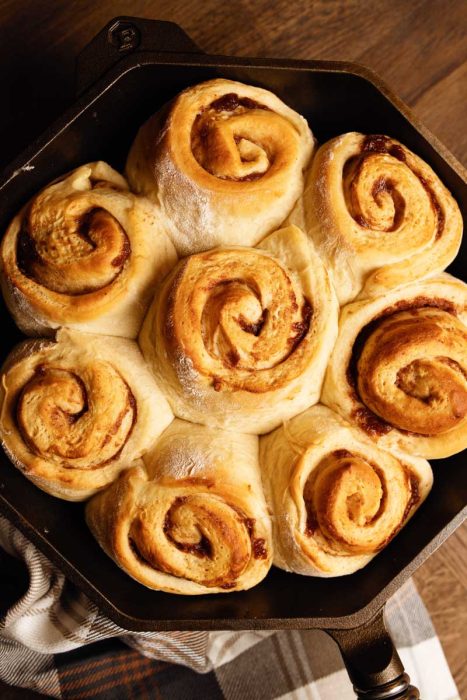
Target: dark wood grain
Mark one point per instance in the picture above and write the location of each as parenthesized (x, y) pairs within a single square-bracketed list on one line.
[(418, 47)]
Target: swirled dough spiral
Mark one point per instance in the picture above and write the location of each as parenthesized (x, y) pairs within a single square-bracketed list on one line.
[(225, 163), (77, 411), (195, 521), (336, 498), (240, 337), (378, 214), (84, 253), (399, 367)]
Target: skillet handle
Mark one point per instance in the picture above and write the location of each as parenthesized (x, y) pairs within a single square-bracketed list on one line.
[(123, 36), (372, 661)]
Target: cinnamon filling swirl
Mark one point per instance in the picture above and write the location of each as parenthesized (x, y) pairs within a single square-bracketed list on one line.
[(248, 321), (198, 537), (76, 421), (380, 184), (355, 507), (70, 248), (408, 368), (237, 138)]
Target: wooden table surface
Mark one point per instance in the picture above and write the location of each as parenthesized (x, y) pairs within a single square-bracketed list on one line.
[(418, 46)]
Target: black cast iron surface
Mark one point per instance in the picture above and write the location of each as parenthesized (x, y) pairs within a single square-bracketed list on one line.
[(335, 98)]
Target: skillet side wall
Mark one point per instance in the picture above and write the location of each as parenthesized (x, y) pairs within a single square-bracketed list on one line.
[(101, 126)]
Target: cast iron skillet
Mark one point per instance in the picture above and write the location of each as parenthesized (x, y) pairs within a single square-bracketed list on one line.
[(125, 74)]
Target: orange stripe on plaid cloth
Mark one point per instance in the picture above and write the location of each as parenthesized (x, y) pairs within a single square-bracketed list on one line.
[(106, 660), (116, 668), (132, 677)]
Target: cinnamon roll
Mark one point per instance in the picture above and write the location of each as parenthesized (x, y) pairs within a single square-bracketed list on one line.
[(75, 412), (378, 214), (239, 338), (399, 367), (225, 163), (84, 253), (195, 521), (336, 498)]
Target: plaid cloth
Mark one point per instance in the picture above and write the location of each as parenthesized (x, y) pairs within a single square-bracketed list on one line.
[(49, 616)]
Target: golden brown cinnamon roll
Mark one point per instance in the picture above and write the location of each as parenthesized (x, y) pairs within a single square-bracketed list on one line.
[(195, 521), (84, 253), (336, 498), (399, 367), (77, 411), (225, 163), (239, 337), (378, 214)]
